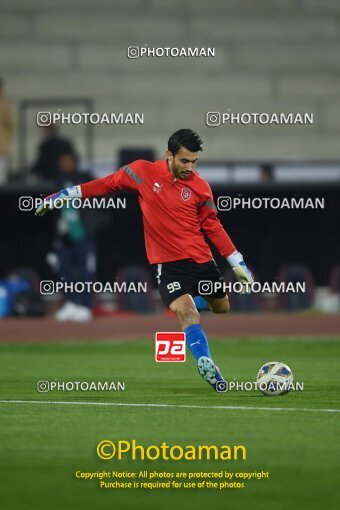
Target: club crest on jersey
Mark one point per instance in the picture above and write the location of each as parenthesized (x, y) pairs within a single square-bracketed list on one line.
[(186, 193), (157, 188)]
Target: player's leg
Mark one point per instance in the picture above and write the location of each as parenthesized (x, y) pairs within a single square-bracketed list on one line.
[(218, 301), (189, 319), (201, 303), (218, 305), (176, 283)]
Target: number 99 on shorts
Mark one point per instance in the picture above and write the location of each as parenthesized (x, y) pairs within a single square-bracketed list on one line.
[(173, 286)]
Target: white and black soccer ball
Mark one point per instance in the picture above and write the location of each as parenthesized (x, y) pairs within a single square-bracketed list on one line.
[(274, 378)]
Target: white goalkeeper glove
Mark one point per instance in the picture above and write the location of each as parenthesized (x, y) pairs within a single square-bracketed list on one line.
[(51, 201), (242, 273)]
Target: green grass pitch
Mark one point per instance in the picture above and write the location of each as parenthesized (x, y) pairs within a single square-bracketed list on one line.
[(43, 445)]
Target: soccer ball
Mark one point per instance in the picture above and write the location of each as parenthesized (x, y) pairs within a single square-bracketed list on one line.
[(274, 378)]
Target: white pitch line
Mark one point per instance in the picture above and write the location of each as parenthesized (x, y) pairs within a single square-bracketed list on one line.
[(177, 406)]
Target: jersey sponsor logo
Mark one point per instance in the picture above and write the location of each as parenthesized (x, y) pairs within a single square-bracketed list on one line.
[(170, 346), (157, 188), (186, 193)]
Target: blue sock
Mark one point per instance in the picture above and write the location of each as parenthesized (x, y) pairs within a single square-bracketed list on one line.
[(201, 303), (197, 341)]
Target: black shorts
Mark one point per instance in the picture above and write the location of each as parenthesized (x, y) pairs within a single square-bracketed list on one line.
[(174, 279)]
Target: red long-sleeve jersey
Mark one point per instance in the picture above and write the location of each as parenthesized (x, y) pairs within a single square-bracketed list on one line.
[(175, 211)]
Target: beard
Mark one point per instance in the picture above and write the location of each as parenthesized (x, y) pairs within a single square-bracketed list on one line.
[(180, 174)]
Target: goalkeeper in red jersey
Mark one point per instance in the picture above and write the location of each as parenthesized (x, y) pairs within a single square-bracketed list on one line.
[(178, 207)]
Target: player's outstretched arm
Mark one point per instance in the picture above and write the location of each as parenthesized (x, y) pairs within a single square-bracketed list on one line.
[(51, 201), (219, 237), (242, 273), (128, 177)]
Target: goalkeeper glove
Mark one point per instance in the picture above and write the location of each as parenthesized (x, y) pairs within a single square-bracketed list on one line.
[(58, 198), (242, 273)]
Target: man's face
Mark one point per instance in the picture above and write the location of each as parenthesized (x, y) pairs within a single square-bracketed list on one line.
[(183, 163)]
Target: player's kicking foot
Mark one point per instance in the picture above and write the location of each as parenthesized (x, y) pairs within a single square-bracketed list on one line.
[(211, 373)]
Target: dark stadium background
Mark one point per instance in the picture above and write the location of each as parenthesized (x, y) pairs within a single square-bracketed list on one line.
[(270, 238)]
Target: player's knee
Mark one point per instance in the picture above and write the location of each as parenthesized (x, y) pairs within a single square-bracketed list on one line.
[(188, 315), (223, 307)]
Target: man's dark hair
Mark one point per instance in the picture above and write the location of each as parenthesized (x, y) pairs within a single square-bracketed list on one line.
[(184, 138)]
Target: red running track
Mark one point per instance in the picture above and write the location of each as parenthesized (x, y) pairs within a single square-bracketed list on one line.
[(145, 326)]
